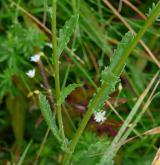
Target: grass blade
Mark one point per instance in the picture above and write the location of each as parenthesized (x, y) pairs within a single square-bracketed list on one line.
[(24, 154), (113, 148)]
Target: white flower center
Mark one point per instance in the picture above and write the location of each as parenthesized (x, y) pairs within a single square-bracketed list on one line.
[(100, 117)]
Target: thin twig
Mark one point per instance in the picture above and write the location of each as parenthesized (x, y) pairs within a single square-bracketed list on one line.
[(46, 84), (134, 8), (56, 68)]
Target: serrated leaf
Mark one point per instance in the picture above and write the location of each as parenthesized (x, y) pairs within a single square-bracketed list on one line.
[(150, 11), (108, 78), (66, 32), (66, 91), (118, 53), (48, 116), (90, 149)]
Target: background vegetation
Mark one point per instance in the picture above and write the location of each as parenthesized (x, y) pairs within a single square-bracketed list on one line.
[(95, 28)]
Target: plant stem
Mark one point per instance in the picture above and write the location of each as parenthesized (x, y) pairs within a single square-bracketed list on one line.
[(74, 6), (56, 69), (116, 69)]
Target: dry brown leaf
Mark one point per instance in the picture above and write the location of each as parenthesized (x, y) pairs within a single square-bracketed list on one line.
[(156, 160)]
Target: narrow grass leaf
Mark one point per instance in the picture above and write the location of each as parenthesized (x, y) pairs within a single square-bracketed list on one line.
[(122, 133), (24, 154)]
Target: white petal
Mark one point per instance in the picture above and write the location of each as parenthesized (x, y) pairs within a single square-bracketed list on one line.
[(31, 73), (35, 58), (48, 44)]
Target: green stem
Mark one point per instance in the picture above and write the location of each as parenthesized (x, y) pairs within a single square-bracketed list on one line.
[(56, 69), (74, 6), (116, 69), (152, 17)]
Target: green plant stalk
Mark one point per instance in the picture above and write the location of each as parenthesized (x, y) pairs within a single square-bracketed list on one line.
[(56, 69), (116, 69), (74, 6), (155, 13)]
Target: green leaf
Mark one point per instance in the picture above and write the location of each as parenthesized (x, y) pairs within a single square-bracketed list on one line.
[(6, 83), (106, 162), (66, 91), (48, 116), (150, 11), (90, 149), (119, 52), (108, 77), (66, 32)]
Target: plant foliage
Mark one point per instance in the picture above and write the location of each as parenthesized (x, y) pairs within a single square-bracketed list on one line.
[(66, 91), (66, 32), (49, 116)]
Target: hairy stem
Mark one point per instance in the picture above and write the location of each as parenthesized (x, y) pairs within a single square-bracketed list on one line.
[(56, 69)]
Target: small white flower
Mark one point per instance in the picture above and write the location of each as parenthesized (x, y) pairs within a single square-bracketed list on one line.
[(31, 73), (48, 44), (120, 87), (41, 85), (35, 58), (100, 117), (36, 92)]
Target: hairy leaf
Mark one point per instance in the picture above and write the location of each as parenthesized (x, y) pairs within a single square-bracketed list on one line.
[(118, 53), (150, 11), (66, 32), (108, 77), (90, 149), (48, 116)]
